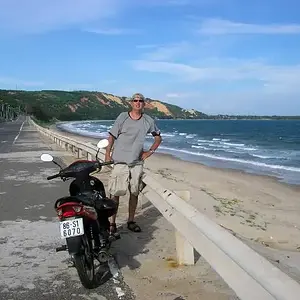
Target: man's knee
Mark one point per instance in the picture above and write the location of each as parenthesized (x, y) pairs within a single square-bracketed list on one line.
[(136, 173), (118, 181)]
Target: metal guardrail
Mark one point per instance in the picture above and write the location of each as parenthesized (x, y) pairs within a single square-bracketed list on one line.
[(251, 276)]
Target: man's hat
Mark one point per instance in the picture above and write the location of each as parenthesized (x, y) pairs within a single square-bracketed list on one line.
[(135, 95)]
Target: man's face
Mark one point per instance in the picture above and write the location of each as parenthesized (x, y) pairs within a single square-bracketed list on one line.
[(137, 103)]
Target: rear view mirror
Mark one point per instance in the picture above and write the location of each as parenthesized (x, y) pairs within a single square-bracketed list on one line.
[(102, 144), (46, 157)]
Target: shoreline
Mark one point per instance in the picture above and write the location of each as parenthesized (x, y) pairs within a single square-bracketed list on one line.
[(258, 208), (274, 179), (226, 169)]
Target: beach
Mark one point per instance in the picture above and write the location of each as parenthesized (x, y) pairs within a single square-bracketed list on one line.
[(256, 207), (259, 210)]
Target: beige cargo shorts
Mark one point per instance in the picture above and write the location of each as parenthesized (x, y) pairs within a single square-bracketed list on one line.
[(124, 178)]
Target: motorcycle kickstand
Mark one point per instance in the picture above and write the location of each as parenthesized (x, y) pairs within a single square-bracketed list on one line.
[(70, 262)]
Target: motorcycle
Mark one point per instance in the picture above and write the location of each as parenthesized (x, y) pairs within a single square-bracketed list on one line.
[(84, 215)]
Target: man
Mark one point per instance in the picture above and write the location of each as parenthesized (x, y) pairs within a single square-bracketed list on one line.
[(127, 137)]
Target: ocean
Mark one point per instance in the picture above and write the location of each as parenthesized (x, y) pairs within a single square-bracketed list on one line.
[(260, 147)]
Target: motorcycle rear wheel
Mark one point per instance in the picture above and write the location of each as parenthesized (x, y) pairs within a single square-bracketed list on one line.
[(84, 264)]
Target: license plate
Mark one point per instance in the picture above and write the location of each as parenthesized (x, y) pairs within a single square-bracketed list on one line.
[(70, 228)]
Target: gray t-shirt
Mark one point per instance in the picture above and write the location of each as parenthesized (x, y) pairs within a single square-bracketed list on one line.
[(130, 136)]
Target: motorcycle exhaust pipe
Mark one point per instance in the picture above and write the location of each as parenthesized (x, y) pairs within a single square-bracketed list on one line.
[(103, 256)]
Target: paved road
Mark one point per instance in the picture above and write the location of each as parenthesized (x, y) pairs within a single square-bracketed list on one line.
[(29, 266)]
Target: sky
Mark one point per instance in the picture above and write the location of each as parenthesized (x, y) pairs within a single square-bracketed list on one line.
[(216, 56)]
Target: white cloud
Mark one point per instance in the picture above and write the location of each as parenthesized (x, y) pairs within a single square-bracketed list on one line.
[(201, 77), (181, 97), (111, 31), (15, 82), (37, 16), (34, 16), (109, 81), (225, 27), (146, 46), (245, 102), (168, 52), (233, 102), (177, 69), (77, 87), (173, 95), (269, 77), (187, 50)]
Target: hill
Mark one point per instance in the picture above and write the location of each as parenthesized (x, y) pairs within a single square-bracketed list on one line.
[(50, 105)]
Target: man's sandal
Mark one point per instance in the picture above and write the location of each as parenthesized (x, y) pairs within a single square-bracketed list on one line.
[(133, 226)]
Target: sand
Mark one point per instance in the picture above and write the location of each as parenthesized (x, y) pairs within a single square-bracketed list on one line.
[(259, 210), (256, 207)]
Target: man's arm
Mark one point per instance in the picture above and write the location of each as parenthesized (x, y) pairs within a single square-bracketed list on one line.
[(113, 135), (155, 145), (111, 141), (157, 142), (154, 130)]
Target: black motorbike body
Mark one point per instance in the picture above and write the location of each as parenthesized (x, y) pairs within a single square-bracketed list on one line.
[(89, 192)]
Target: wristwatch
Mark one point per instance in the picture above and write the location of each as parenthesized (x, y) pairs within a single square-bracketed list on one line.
[(151, 150)]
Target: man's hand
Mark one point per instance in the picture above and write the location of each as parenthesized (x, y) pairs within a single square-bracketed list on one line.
[(146, 154)]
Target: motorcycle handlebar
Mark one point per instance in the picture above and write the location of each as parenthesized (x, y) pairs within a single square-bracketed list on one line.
[(53, 176), (106, 163)]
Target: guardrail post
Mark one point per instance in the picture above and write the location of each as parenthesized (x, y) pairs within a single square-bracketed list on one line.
[(185, 251), (79, 154)]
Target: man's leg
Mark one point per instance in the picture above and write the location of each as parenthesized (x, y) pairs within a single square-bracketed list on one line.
[(113, 226), (135, 179), (117, 186), (133, 200)]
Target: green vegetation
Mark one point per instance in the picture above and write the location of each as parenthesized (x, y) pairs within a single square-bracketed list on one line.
[(8, 112), (49, 106)]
